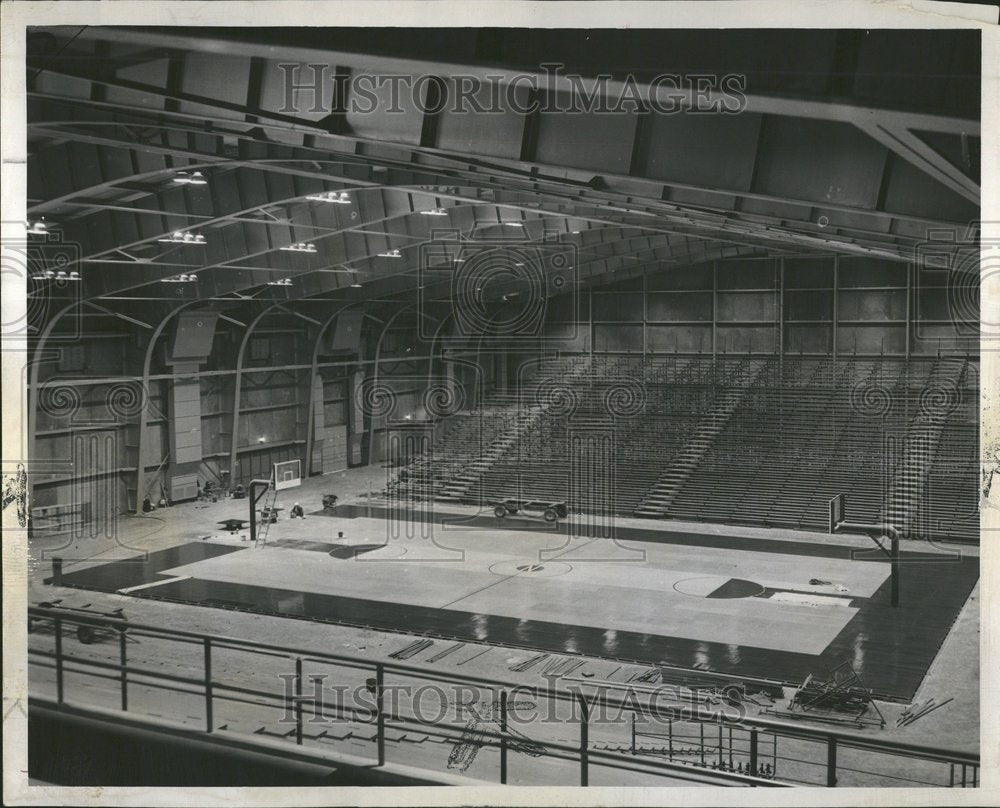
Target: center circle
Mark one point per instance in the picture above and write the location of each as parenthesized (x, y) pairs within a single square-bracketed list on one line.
[(717, 586), (536, 569)]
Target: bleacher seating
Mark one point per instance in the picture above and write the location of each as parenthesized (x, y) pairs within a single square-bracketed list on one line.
[(824, 428), (470, 441), (755, 441)]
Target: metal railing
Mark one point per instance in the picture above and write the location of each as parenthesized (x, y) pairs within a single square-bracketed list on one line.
[(124, 674)]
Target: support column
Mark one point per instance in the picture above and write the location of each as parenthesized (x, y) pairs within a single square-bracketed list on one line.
[(910, 269), (781, 313), (184, 426), (836, 304), (315, 425), (590, 321), (355, 417), (715, 310), (314, 422), (142, 487), (645, 315), (373, 421)]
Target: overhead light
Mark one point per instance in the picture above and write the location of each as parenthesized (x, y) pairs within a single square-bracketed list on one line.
[(355, 285), (434, 212), (300, 246), (391, 254), (181, 279), (334, 197), (39, 228), (52, 275), (514, 224), (280, 282), (458, 260), (190, 178), (177, 237), (576, 232)]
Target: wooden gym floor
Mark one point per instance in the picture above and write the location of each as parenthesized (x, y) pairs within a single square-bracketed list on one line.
[(731, 603)]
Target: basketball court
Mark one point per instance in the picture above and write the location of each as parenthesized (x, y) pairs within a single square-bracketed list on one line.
[(762, 608)]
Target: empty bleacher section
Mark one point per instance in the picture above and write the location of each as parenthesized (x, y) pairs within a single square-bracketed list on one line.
[(603, 441), (952, 485), (863, 427), (467, 443), (757, 441)]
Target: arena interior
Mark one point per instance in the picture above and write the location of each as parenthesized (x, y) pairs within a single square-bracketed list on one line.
[(638, 444)]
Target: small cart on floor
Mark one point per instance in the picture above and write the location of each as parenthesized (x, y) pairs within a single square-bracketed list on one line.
[(89, 632), (550, 512)]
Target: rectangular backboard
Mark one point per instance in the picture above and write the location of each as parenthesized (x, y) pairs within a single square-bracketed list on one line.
[(287, 474)]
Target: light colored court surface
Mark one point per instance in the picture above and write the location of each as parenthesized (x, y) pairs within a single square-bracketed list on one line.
[(954, 673), (665, 594)]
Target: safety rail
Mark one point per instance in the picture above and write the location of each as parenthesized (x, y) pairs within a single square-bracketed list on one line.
[(208, 686)]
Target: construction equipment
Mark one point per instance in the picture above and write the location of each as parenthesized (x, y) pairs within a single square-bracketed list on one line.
[(842, 698), (550, 512), (732, 688), (270, 495)]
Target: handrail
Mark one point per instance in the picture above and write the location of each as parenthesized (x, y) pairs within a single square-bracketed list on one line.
[(549, 690), (255, 742)]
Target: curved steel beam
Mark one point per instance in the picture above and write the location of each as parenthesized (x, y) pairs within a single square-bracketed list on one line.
[(375, 369), (141, 489), (310, 412)]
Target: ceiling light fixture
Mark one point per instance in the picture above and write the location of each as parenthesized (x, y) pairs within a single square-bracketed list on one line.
[(514, 224), (181, 279), (52, 275), (334, 197), (280, 282), (190, 178), (391, 254), (300, 246), (39, 228), (177, 237), (434, 212)]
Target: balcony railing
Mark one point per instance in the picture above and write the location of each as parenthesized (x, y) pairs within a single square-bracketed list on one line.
[(117, 658)]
